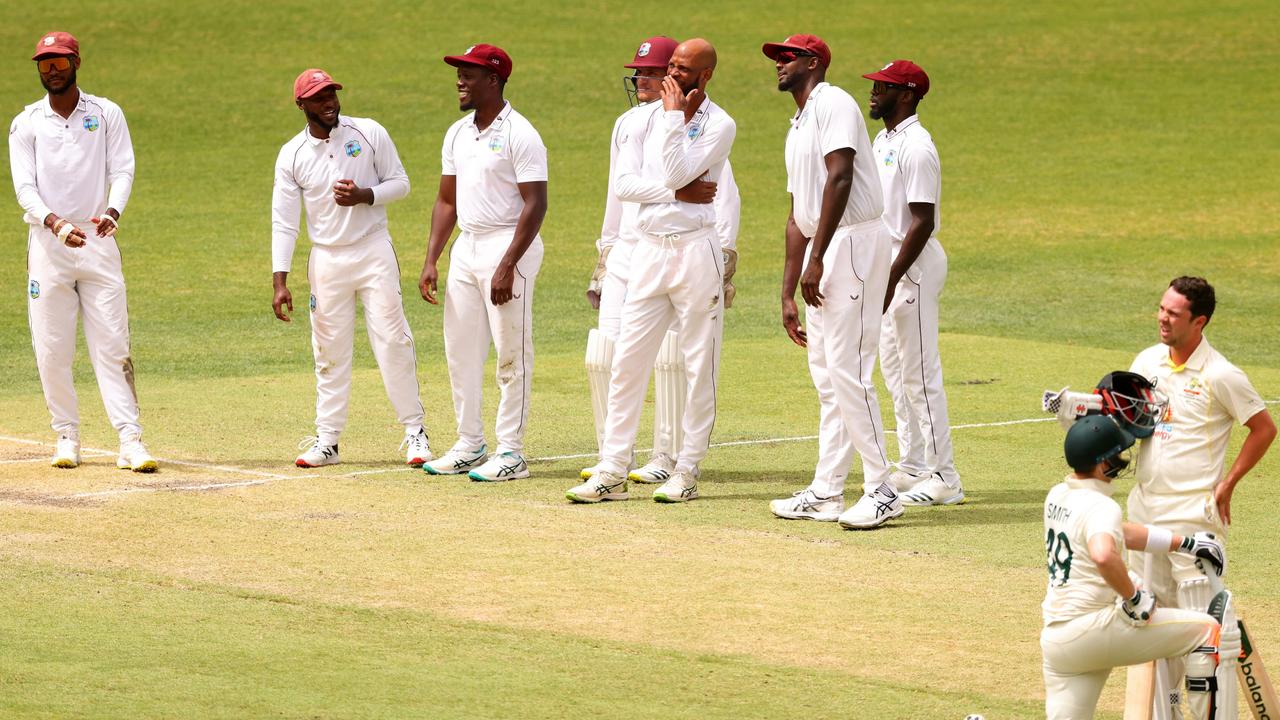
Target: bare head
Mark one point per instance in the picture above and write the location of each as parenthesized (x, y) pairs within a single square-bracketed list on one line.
[(692, 64)]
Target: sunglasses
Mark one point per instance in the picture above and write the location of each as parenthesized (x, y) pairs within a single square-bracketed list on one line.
[(880, 87), (49, 65), (787, 56)]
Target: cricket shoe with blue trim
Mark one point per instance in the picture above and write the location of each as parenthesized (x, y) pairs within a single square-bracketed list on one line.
[(873, 509), (317, 453), (806, 505), (500, 468), (657, 470), (932, 490), (459, 460), (682, 487), (602, 486)]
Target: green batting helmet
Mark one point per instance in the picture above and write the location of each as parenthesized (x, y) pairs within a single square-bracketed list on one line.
[(1096, 439)]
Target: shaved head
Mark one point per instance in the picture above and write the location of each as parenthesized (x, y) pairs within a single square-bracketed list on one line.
[(692, 64)]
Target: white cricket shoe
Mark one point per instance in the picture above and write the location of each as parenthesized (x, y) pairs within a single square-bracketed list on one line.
[(682, 487), (588, 472), (603, 485), (316, 454), (657, 470), (419, 450), (873, 510), (457, 461), (932, 490), (501, 467), (66, 453), (134, 456), (806, 505), (903, 481)]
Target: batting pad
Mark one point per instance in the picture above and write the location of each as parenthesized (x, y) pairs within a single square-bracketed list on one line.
[(670, 387), (599, 360)]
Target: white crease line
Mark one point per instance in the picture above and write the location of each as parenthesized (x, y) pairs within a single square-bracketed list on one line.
[(45, 459)]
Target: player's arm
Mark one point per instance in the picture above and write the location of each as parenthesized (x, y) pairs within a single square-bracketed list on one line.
[(922, 180), (444, 216), (1262, 432), (728, 207), (1105, 554), (835, 196), (609, 229), (534, 195), (795, 242), (1156, 540), (286, 214), (682, 162), (120, 170), (918, 235), (22, 165)]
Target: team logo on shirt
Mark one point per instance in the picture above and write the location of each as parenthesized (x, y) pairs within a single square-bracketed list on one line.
[(313, 302), (891, 157), (91, 123), (352, 148), (695, 131), (34, 289), (496, 143)]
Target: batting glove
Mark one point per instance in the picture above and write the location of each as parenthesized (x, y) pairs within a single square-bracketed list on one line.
[(597, 275), (1206, 546), (1138, 609), (730, 267)]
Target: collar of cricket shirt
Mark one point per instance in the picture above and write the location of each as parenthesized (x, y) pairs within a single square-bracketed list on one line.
[(1198, 358), (795, 119), (913, 120), (497, 121), (1102, 486)]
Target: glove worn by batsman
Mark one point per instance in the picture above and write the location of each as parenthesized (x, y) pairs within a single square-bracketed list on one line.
[(730, 267), (1138, 609), (597, 275), (1205, 546)]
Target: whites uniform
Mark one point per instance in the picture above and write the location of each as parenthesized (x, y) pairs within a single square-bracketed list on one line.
[(844, 332), (488, 165), (909, 359), (675, 272), (1085, 633), (351, 258), (76, 167)]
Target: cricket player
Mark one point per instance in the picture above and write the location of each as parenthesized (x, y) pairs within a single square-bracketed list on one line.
[(609, 280), (676, 272), (1095, 616), (72, 164), (345, 170), (1181, 480), (493, 186), (838, 250), (911, 178)]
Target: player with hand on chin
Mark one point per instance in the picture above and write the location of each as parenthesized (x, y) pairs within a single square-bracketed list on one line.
[(1095, 616), (72, 162), (345, 170)]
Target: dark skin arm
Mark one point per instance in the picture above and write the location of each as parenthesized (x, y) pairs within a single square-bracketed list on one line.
[(1262, 431), (77, 236), (794, 260), (346, 193), (912, 245), (534, 195), (283, 298), (444, 216), (835, 195)]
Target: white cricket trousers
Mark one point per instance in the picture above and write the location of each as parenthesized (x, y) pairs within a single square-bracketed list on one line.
[(1079, 653), (912, 368), (471, 321), (613, 289), (367, 271), (844, 335), (65, 283), (672, 278)]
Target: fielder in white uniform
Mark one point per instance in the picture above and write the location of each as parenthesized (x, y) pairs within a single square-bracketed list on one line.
[(493, 186), (911, 178), (72, 164), (1095, 616), (345, 170), (836, 231), (618, 236), (1181, 480), (676, 273)]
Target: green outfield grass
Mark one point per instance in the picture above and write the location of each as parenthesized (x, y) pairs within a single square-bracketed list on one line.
[(1090, 153)]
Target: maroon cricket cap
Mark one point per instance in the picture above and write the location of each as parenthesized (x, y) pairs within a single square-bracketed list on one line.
[(653, 53), (312, 81), (811, 44), (56, 43), (485, 56), (903, 72)]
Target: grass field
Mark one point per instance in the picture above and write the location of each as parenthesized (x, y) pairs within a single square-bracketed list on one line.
[(1090, 153)]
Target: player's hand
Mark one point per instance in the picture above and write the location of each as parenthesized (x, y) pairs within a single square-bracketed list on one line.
[(1206, 547), (500, 285), (699, 192), (106, 225), (427, 283), (346, 193), (597, 277), (1222, 497), (1139, 608), (673, 97), (593, 297), (69, 234), (791, 322), (282, 300), (810, 282)]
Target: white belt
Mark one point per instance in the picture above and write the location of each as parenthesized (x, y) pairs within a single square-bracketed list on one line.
[(862, 226)]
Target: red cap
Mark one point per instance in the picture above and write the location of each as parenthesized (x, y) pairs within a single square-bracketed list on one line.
[(312, 81), (56, 43), (485, 56), (811, 44), (903, 72), (653, 53)]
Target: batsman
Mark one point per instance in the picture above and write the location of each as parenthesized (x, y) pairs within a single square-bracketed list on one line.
[(1182, 486)]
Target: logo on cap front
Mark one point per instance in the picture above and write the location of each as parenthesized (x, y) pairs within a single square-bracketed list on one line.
[(91, 123), (468, 50), (49, 41), (317, 76), (644, 50), (886, 67), (352, 148)]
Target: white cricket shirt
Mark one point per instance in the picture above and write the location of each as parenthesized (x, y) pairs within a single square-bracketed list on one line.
[(358, 149), (830, 120), (909, 172), (620, 215), (489, 165), (671, 154), (74, 167), (1074, 511), (1207, 396)]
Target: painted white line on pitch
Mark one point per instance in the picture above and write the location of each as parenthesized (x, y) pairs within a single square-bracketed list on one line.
[(45, 459)]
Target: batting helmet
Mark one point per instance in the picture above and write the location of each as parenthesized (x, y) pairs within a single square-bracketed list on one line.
[(1133, 401), (1097, 439)]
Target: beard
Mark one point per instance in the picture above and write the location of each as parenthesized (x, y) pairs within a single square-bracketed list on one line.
[(881, 110), (70, 83), (318, 120)]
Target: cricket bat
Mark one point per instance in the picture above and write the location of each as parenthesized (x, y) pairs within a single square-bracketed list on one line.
[(1259, 694), (1140, 691)]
